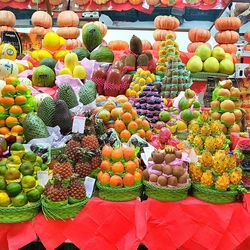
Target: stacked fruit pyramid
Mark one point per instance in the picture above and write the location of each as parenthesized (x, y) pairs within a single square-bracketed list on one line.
[(139, 82), (18, 180), (226, 107), (15, 103), (119, 171), (206, 134), (41, 22)]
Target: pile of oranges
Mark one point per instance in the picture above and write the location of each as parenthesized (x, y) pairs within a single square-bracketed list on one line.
[(120, 167), (15, 103)]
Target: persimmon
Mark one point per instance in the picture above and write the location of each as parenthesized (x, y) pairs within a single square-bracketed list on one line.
[(145, 125), (132, 127), (117, 167), (105, 165), (17, 129), (116, 181), (127, 106), (137, 176), (8, 101), (139, 122), (129, 153), (128, 180), (11, 121), (105, 179), (4, 130), (99, 176), (2, 123), (137, 162), (15, 110), (125, 135), (8, 90), (21, 87), (148, 135), (141, 133), (107, 151), (119, 126), (117, 154), (127, 118), (10, 79), (134, 114), (130, 167), (2, 110), (21, 99)]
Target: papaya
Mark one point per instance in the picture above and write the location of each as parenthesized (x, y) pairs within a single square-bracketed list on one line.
[(91, 36)]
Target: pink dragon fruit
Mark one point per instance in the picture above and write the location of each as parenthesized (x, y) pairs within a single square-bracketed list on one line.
[(164, 135), (99, 78), (112, 84), (126, 80), (155, 142), (173, 142)]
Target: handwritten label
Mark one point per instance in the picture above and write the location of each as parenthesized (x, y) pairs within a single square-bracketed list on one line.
[(43, 177), (78, 124), (89, 184)]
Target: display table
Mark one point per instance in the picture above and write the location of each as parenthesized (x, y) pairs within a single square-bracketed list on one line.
[(189, 224)]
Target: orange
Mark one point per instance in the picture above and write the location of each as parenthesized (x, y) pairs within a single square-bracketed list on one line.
[(19, 100), (139, 122), (128, 180), (145, 125), (4, 130), (127, 106), (105, 165), (17, 129), (117, 154), (8, 90), (117, 167), (11, 121), (125, 135), (138, 176), (8, 101), (141, 133), (132, 127), (105, 179), (130, 167), (99, 175), (127, 118), (107, 151), (119, 126), (2, 123), (149, 134), (128, 153), (134, 113), (115, 181), (16, 110)]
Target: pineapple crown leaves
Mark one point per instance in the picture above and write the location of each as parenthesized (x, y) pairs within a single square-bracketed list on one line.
[(85, 153), (62, 158)]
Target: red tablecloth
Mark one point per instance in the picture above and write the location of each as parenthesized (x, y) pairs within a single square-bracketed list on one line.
[(103, 225)]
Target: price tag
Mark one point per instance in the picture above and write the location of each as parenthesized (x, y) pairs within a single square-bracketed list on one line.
[(89, 184), (14, 39), (42, 177), (145, 5), (148, 151), (144, 158), (78, 124)]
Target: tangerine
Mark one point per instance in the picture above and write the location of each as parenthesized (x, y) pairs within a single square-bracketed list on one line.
[(15, 110), (130, 167), (139, 122), (127, 118), (145, 125), (99, 176), (117, 154), (105, 179), (141, 133), (4, 130), (125, 135), (107, 151), (119, 126), (132, 127), (8, 90), (149, 134), (128, 180), (17, 129), (105, 165), (134, 113), (117, 167), (21, 99), (127, 106), (8, 101), (137, 176), (2, 123), (128, 153), (11, 121), (115, 181)]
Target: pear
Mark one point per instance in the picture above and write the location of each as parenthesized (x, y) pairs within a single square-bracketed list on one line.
[(195, 64)]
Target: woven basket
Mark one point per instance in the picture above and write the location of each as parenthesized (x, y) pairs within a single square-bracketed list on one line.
[(166, 193), (213, 196), (62, 212), (119, 194), (19, 214), (56, 152)]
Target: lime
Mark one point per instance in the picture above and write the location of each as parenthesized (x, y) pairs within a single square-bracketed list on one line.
[(34, 195), (39, 161), (29, 156), (20, 200), (51, 41), (26, 168), (40, 188), (13, 189), (44, 167), (2, 184), (14, 160), (28, 181), (17, 147), (3, 169), (4, 199)]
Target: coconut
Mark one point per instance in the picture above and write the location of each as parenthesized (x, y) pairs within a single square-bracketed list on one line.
[(214, 104), (216, 115), (157, 167), (153, 177), (234, 129), (226, 84), (178, 154), (235, 92), (228, 118), (158, 156), (169, 158), (167, 170), (183, 179), (178, 171), (227, 105), (162, 181), (224, 93), (172, 181)]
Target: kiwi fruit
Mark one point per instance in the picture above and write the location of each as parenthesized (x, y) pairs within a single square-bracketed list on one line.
[(162, 181), (178, 171), (172, 181), (149, 55), (183, 179), (167, 170), (142, 60), (157, 167), (130, 60), (145, 175), (169, 158), (178, 154), (153, 178)]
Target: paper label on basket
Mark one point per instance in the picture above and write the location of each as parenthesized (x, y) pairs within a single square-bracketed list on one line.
[(193, 156), (89, 184), (42, 177), (145, 5), (78, 124), (148, 151), (144, 158)]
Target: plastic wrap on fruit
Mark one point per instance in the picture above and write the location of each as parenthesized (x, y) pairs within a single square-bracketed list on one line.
[(99, 77), (125, 83), (114, 140), (164, 135), (142, 62), (137, 141), (112, 84)]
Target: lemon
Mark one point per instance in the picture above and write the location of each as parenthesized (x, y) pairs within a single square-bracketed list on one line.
[(132, 84), (152, 76), (137, 79), (65, 71), (142, 81), (79, 72), (62, 41), (133, 93), (4, 200), (43, 54), (7, 51), (148, 79), (61, 54), (21, 67), (136, 87), (52, 41)]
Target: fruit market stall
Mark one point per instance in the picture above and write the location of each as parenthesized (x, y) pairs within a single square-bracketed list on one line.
[(111, 144)]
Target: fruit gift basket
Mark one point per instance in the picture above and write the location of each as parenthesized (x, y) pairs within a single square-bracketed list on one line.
[(166, 177)]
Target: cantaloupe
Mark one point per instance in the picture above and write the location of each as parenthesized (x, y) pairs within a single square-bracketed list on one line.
[(224, 92), (228, 119)]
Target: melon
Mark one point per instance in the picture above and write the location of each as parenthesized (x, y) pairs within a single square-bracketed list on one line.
[(43, 76), (228, 119), (224, 92), (91, 36), (102, 54), (81, 53), (49, 62), (227, 105)]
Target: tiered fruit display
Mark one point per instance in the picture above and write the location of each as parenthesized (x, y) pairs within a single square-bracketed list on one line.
[(206, 134), (41, 22), (18, 180), (226, 106), (140, 80), (120, 167), (212, 61), (218, 171), (166, 168), (16, 102)]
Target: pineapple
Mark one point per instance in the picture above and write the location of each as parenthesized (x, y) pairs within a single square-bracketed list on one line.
[(205, 130), (197, 151), (230, 162), (76, 191), (96, 161), (63, 169), (215, 127), (207, 179), (236, 176), (206, 159), (198, 141), (90, 142), (220, 164), (195, 172), (210, 144), (223, 182), (57, 192), (83, 169), (70, 149)]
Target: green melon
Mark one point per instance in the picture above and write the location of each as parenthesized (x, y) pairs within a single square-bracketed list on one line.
[(102, 54), (81, 53), (91, 36), (13, 189), (43, 76), (49, 62)]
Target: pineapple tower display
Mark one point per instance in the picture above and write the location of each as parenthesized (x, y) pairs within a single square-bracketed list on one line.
[(205, 134)]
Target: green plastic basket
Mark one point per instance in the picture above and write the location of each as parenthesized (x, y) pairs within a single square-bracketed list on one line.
[(166, 193), (62, 212), (56, 152), (119, 193), (19, 214), (213, 196)]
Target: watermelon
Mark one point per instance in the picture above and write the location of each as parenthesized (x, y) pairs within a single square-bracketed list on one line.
[(81, 53), (43, 76), (49, 62), (91, 36)]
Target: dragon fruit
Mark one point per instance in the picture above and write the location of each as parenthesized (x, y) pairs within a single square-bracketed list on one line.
[(125, 83), (99, 78), (164, 135), (112, 84)]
